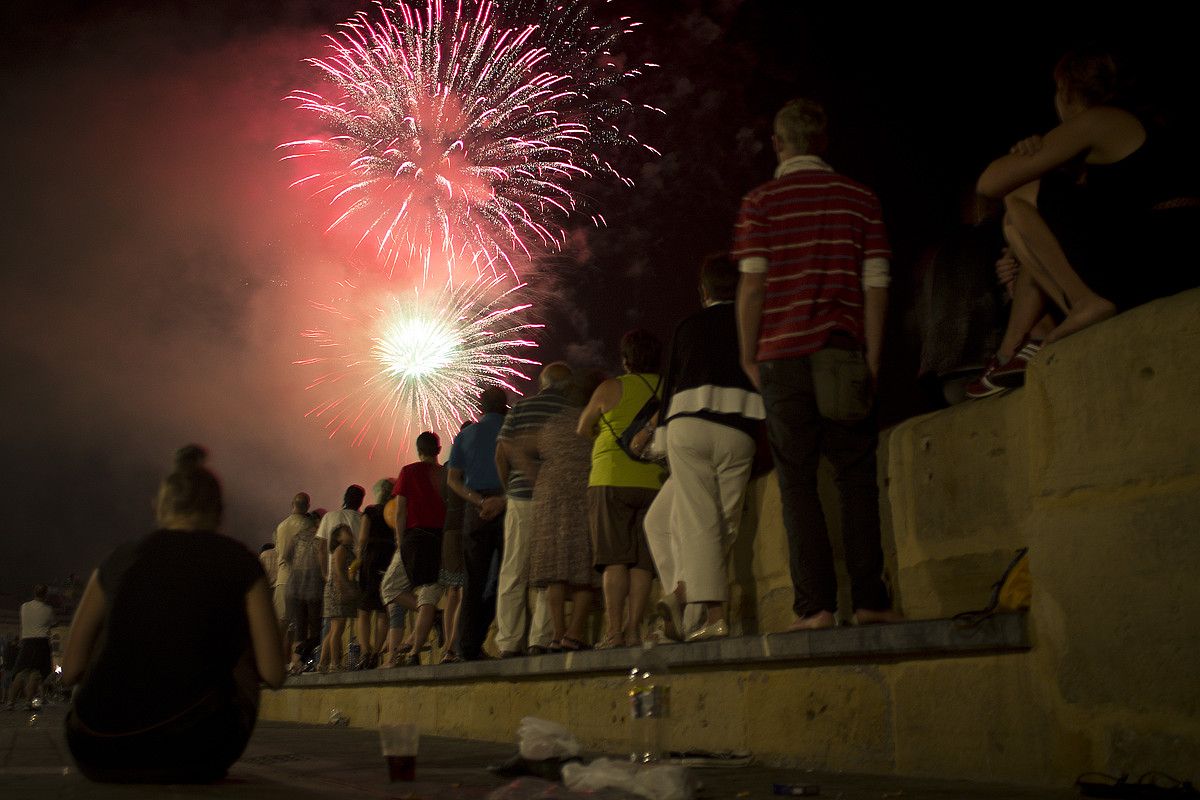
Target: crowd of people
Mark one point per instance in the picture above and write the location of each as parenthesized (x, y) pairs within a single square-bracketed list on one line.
[(587, 491), (785, 355)]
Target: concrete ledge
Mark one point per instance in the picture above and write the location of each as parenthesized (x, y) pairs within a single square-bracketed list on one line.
[(870, 643)]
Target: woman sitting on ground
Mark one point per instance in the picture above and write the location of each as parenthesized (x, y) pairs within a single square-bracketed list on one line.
[(1100, 211), (170, 640)]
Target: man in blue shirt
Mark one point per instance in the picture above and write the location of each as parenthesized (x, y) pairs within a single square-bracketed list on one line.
[(473, 476)]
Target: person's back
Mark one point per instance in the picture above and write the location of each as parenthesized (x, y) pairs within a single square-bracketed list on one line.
[(610, 465), (811, 313), (176, 627), (816, 268), (306, 581), (168, 644), (37, 617)]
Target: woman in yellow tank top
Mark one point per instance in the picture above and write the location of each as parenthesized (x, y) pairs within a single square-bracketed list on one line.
[(620, 489)]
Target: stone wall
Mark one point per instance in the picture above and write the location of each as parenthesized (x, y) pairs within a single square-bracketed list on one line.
[(1095, 466)]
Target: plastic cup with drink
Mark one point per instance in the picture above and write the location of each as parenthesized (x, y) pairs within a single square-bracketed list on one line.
[(399, 745)]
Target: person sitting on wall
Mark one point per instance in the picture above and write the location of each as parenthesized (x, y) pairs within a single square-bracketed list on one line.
[(1100, 212)]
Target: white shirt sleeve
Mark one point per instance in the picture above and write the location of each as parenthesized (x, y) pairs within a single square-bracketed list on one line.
[(753, 264), (876, 273)]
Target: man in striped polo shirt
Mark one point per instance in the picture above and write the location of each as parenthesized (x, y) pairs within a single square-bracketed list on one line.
[(812, 298), (525, 419)]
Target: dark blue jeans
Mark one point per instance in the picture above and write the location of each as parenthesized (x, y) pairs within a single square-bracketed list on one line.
[(799, 436)]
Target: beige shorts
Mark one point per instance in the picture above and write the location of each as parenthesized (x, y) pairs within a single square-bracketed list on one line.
[(395, 583)]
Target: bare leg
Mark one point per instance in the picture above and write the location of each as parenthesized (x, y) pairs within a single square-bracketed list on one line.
[(581, 606), (285, 637), (715, 612), (1036, 246), (422, 627), (394, 635), (362, 629), (556, 601), (406, 599), (616, 589), (333, 640), (379, 642), (17, 687), (1028, 310), (639, 595), (453, 605)]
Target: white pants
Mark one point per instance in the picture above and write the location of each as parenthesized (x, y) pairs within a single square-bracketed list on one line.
[(514, 583), (692, 524)]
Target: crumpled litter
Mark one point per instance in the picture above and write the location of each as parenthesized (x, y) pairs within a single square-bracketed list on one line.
[(650, 781), (541, 739)]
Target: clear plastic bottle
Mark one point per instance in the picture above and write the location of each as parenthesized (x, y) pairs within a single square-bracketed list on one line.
[(648, 692)]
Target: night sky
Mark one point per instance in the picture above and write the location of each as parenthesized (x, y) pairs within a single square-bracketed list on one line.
[(157, 271)]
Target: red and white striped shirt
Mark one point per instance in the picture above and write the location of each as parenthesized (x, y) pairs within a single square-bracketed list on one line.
[(820, 238)]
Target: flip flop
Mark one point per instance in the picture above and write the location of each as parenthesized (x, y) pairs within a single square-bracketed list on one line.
[(569, 644)]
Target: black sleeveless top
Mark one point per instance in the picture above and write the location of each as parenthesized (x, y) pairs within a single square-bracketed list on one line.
[(174, 628)]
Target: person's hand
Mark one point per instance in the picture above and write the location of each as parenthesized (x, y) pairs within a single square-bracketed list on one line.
[(1007, 269), (640, 439), (751, 370), (491, 507), (1027, 147)]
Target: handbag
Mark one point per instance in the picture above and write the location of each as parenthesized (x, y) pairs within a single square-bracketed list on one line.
[(639, 425)]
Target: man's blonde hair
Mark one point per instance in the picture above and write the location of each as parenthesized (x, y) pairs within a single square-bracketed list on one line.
[(800, 126)]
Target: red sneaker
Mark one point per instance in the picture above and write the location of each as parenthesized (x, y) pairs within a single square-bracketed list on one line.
[(1012, 374), (983, 386)]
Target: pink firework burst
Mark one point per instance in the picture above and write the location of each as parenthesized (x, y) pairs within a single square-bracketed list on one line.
[(396, 364), (458, 131)]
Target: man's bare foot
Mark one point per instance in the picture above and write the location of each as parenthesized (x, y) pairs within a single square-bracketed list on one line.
[(814, 622), (868, 616), (1086, 312)]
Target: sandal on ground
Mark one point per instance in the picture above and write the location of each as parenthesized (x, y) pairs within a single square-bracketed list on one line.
[(569, 644), (611, 641), (451, 657)]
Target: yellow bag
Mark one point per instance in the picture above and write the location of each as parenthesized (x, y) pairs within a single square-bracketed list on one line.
[(1015, 590), (1012, 593)]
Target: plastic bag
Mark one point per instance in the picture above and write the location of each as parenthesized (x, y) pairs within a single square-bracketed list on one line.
[(541, 739), (654, 782)]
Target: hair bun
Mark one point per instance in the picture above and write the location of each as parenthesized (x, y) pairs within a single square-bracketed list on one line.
[(190, 456)]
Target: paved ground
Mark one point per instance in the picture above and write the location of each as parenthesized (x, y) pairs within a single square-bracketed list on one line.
[(299, 762)]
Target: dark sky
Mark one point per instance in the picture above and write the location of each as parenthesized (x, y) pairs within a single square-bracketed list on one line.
[(156, 269)]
